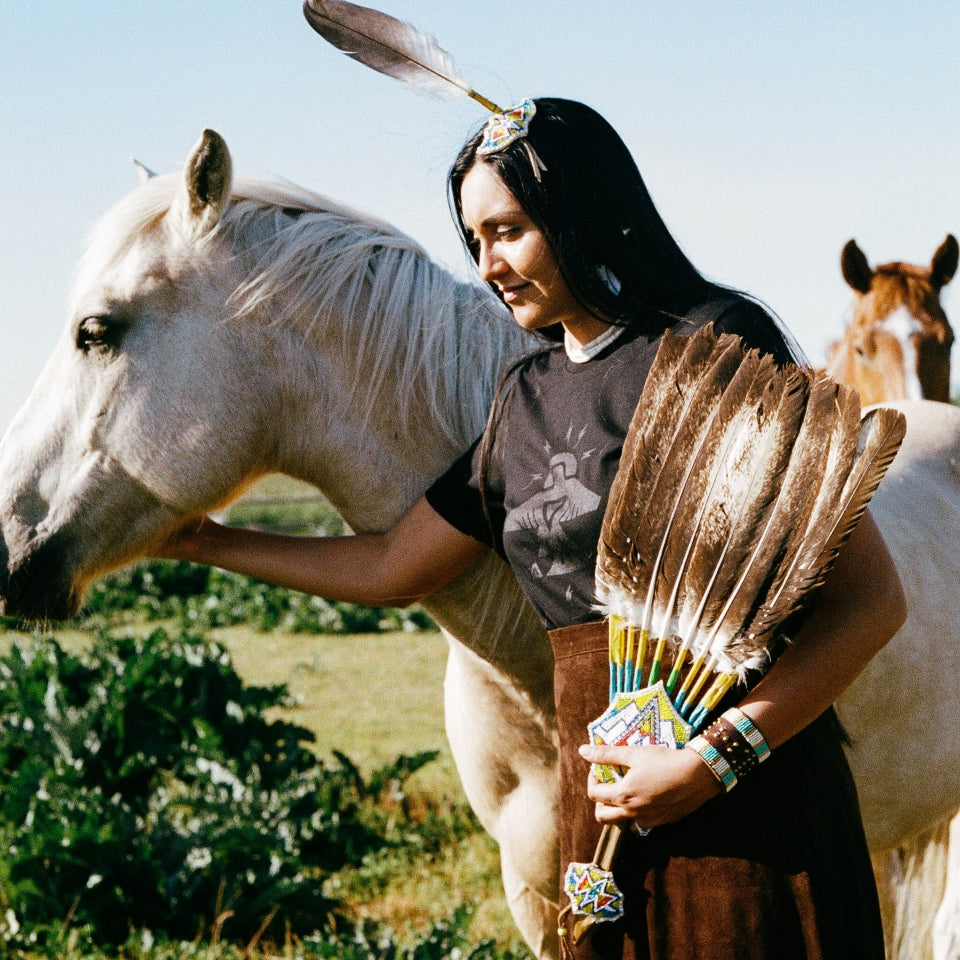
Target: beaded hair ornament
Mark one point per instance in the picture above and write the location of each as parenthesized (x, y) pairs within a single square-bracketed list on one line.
[(509, 126)]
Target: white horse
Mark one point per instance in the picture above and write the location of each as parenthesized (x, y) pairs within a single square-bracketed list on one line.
[(222, 331)]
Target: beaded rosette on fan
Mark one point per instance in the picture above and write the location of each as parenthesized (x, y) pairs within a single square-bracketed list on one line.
[(740, 480)]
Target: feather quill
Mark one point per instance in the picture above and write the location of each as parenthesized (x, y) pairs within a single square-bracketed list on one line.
[(392, 47)]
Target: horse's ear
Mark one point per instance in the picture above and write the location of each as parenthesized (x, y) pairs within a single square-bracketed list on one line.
[(944, 263), (143, 173), (856, 270), (205, 188)]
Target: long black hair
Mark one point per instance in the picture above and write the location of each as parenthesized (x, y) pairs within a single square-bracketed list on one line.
[(583, 190), (614, 251)]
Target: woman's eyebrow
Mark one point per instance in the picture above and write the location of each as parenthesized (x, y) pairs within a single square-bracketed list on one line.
[(508, 213)]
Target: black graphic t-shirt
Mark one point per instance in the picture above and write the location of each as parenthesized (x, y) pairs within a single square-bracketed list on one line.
[(557, 440)]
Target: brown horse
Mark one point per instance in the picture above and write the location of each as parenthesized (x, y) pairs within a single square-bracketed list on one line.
[(897, 345)]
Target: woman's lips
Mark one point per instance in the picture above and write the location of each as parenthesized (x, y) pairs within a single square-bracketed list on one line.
[(513, 292)]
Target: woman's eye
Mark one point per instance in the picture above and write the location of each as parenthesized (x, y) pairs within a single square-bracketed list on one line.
[(508, 233)]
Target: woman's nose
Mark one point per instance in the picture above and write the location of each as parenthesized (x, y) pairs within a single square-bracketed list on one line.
[(490, 264)]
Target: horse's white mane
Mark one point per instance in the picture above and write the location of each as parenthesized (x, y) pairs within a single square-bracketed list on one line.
[(324, 270)]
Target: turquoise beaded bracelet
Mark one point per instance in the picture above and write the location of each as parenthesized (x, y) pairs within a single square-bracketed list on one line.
[(715, 760), (750, 732), (731, 747)]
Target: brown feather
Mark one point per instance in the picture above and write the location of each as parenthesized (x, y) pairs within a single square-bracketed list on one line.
[(785, 523), (673, 434), (737, 528), (685, 381), (391, 47), (805, 569), (882, 431)]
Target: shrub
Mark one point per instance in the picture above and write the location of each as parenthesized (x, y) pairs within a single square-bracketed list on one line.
[(143, 788)]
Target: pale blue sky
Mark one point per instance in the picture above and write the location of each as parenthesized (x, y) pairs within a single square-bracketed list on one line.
[(769, 132)]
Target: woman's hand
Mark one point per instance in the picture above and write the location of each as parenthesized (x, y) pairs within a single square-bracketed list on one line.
[(659, 784), (186, 541)]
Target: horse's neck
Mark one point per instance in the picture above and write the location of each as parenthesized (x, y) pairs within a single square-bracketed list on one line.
[(373, 435), (485, 610)]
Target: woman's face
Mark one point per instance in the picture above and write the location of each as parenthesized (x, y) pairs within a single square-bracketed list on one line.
[(513, 254)]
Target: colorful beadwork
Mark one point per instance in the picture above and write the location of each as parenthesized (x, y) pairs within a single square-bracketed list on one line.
[(750, 732), (645, 716), (593, 892), (732, 745), (715, 761), (503, 128)]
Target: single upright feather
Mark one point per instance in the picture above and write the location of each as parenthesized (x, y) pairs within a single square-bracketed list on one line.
[(882, 431), (391, 46)]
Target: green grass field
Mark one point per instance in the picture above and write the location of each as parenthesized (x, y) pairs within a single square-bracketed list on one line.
[(374, 697), (370, 696)]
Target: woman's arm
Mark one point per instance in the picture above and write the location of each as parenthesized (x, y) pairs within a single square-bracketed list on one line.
[(858, 609), (418, 556)]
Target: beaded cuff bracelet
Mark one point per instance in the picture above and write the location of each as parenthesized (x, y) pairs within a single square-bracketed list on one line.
[(714, 760), (732, 747), (750, 732)]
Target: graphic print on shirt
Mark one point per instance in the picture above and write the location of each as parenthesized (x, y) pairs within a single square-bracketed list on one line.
[(562, 497)]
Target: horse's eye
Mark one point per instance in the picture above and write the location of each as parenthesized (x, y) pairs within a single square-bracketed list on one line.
[(94, 332)]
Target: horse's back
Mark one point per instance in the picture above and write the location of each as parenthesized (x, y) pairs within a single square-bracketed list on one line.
[(915, 677)]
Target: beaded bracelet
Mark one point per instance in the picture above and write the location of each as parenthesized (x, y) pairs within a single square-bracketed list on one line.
[(731, 746), (749, 730), (714, 760)]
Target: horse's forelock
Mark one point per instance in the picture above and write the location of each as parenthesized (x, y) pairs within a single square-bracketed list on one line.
[(119, 228), (901, 284)]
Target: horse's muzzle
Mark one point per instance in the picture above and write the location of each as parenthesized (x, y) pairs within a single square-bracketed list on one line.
[(37, 586)]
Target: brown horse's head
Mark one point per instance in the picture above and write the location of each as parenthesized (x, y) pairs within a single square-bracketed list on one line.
[(897, 345)]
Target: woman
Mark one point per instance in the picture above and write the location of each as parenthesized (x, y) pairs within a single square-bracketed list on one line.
[(560, 224)]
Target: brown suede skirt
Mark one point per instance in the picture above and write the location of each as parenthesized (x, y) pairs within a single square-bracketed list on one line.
[(776, 869)]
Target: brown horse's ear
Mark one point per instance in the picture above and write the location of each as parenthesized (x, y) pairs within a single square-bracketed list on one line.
[(205, 187), (856, 270), (944, 263)]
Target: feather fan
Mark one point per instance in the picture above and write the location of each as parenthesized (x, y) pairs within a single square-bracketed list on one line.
[(392, 47), (739, 482)]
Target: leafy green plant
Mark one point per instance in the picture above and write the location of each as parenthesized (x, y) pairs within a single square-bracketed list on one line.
[(142, 787)]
